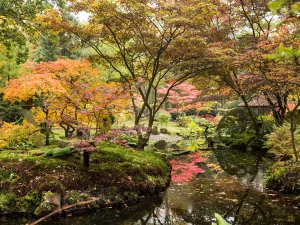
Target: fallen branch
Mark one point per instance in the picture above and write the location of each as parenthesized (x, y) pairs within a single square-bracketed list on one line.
[(64, 208)]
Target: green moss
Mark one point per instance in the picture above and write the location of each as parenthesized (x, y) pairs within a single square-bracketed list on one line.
[(7, 201), (113, 171), (76, 196), (59, 152)]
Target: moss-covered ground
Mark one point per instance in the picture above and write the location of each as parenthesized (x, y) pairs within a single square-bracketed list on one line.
[(120, 175)]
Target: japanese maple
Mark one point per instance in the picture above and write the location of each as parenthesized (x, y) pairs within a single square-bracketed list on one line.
[(182, 97)]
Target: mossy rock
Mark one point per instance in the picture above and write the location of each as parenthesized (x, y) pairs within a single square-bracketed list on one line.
[(51, 201), (161, 144), (164, 131), (62, 144)]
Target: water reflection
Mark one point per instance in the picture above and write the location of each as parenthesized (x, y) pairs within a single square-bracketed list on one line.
[(234, 189)]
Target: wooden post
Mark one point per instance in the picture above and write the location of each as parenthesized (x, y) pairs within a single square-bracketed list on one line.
[(86, 159)]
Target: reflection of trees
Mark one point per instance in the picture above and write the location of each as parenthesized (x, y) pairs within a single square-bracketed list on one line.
[(258, 212), (236, 162)]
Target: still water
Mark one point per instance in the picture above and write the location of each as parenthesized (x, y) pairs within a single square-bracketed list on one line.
[(229, 183)]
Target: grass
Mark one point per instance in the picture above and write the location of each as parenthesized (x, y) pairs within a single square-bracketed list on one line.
[(112, 167)]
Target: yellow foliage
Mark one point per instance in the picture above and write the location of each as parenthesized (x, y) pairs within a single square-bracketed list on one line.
[(14, 135)]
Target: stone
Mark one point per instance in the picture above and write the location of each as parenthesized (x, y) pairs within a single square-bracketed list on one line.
[(51, 201), (62, 144), (180, 152), (175, 146), (161, 144), (155, 131), (164, 131)]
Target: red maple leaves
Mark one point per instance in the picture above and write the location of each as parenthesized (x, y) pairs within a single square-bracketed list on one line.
[(183, 171)]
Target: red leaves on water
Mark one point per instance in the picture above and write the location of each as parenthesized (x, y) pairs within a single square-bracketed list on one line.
[(183, 171)]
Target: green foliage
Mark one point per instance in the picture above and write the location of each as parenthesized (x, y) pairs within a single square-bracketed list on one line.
[(241, 140), (54, 46), (10, 113), (192, 144), (279, 142), (277, 5), (183, 121), (286, 53), (163, 118), (59, 152), (220, 220), (132, 140), (284, 176), (236, 130), (75, 197), (194, 130), (202, 122), (7, 200)]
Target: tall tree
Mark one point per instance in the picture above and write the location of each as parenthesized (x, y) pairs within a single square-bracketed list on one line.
[(146, 43)]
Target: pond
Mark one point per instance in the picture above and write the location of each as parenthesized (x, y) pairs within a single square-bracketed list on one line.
[(230, 183)]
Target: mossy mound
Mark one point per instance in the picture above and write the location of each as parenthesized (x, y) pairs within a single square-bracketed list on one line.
[(119, 174), (285, 177)]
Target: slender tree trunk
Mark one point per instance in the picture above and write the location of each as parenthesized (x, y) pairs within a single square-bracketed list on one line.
[(293, 135), (86, 159), (143, 139), (47, 128)]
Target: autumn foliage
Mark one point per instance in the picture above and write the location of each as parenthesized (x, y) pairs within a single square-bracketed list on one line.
[(181, 97), (69, 93), (183, 171)]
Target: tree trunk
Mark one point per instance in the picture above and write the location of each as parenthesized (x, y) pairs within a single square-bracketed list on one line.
[(293, 136), (47, 128), (142, 142), (86, 159), (143, 139)]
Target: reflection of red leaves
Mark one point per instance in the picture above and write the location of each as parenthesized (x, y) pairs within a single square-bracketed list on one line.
[(183, 171)]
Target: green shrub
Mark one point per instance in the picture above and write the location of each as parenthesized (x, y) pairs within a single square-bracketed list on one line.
[(59, 152), (131, 139), (163, 118), (279, 142), (284, 176), (241, 140), (184, 121), (236, 129)]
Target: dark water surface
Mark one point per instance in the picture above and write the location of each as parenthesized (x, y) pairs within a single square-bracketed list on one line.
[(232, 185)]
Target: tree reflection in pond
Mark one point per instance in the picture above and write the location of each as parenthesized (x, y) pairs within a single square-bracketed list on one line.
[(231, 187)]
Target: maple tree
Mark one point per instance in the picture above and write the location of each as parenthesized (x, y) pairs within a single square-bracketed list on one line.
[(181, 97), (69, 93), (145, 43), (87, 99), (239, 47)]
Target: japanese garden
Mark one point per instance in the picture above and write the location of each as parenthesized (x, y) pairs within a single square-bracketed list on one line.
[(150, 112)]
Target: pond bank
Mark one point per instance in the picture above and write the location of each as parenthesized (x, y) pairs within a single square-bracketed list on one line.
[(34, 185), (231, 183)]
